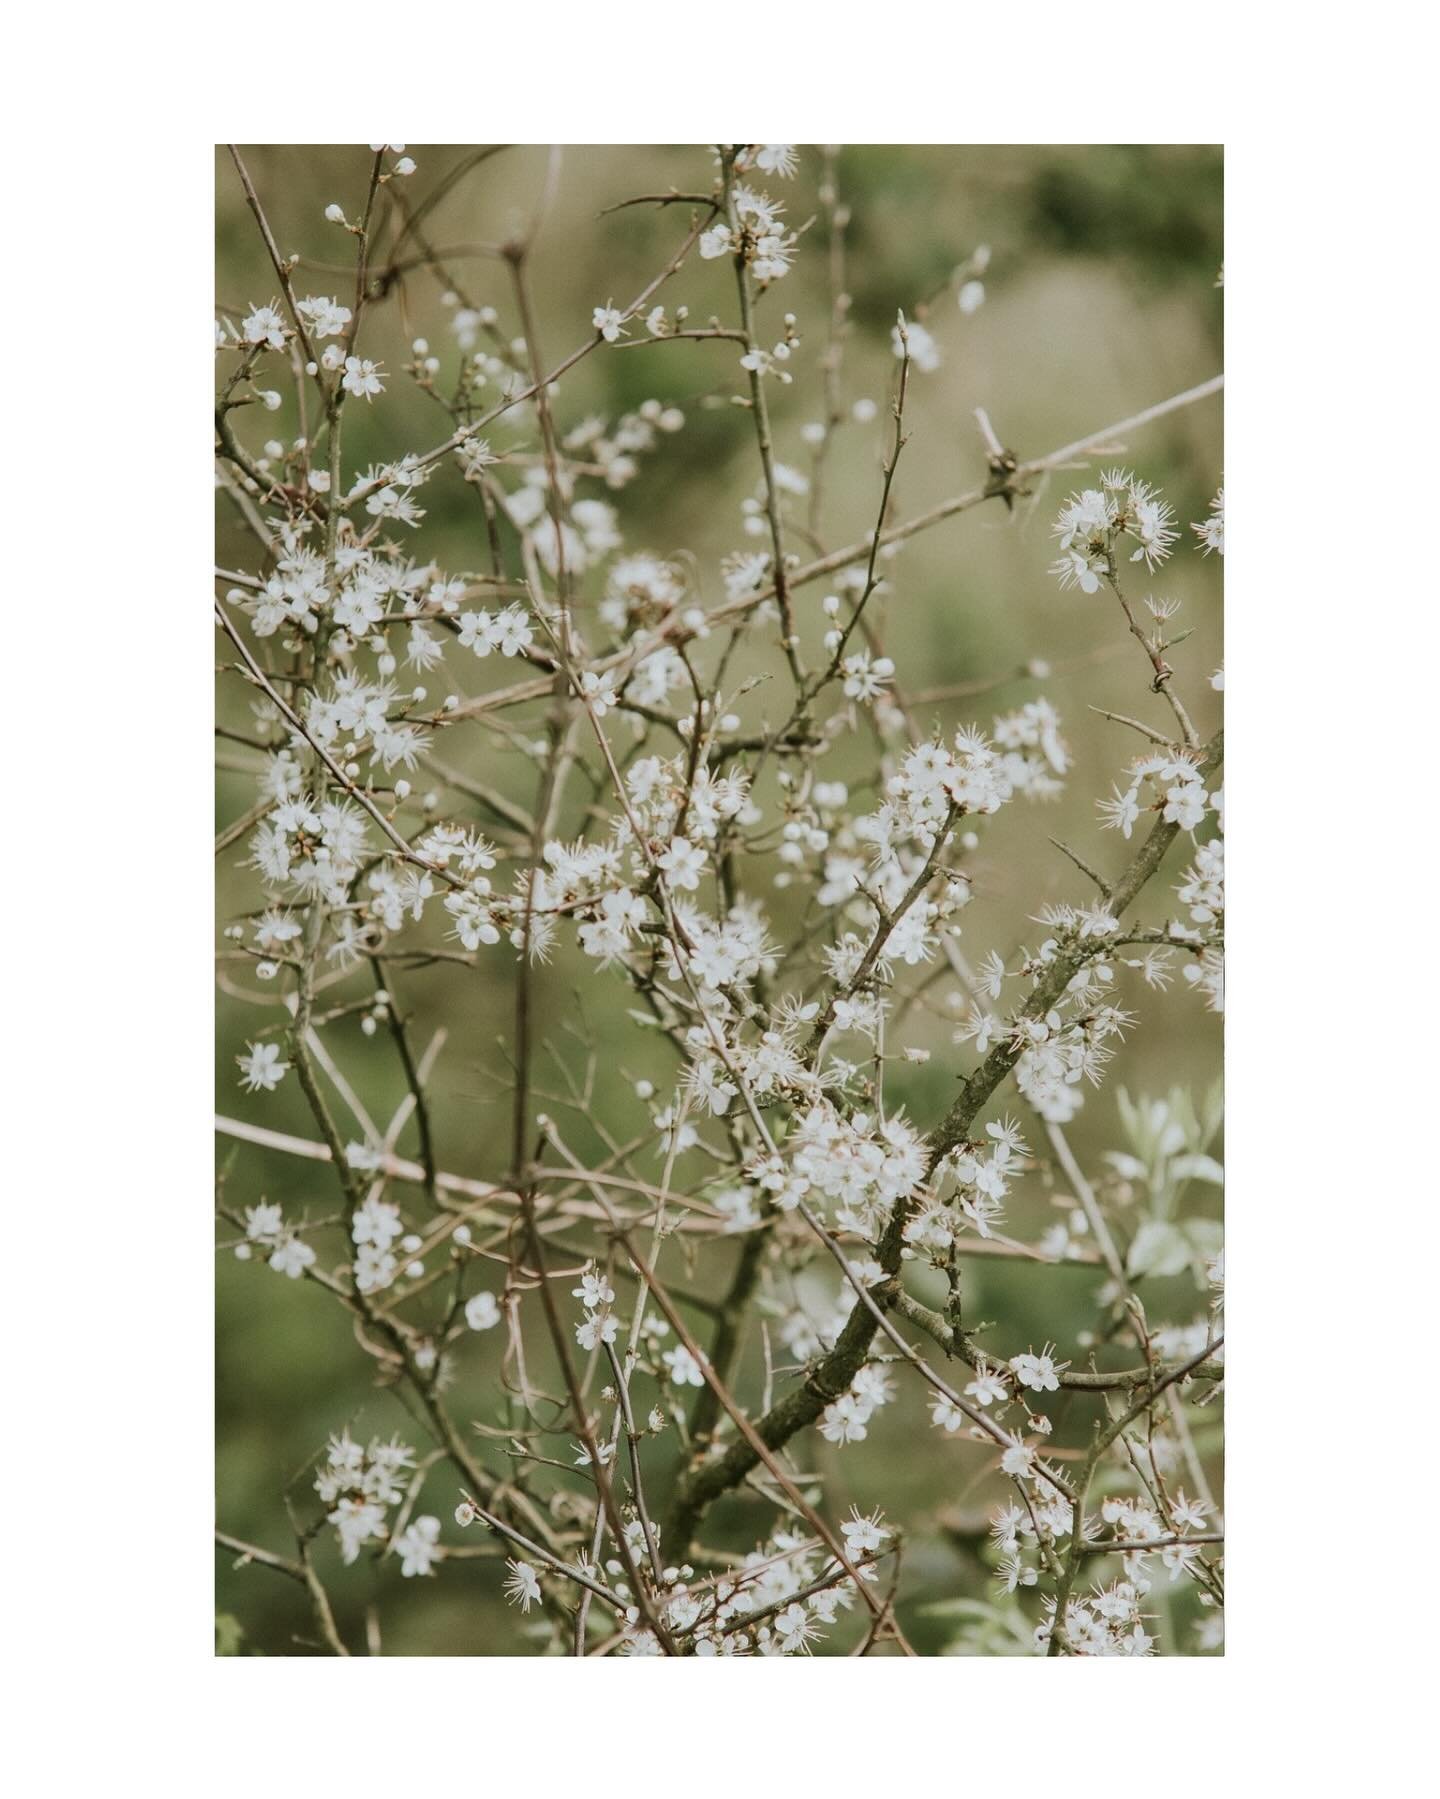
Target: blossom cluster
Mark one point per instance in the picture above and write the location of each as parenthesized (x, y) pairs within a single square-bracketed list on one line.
[(1100, 524), (362, 1485)]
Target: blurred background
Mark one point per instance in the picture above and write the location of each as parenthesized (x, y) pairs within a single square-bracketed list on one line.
[(1101, 298)]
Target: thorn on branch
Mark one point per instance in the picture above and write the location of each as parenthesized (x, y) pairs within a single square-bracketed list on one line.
[(1083, 866), (1003, 464)]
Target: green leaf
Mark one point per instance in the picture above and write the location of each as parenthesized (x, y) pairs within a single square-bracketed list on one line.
[(1158, 1248), (1207, 1238), (1213, 1112), (1198, 1168), (956, 1608)]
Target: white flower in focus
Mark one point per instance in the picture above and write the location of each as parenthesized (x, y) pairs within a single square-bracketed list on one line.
[(594, 1290), (357, 1520), (1018, 1461), (1038, 1372), (987, 1386), (777, 159), (863, 1534), (263, 325), (683, 862), (325, 317), (846, 1420), (598, 1328), (261, 1067), (513, 635), (1211, 531), (523, 1586), (864, 679), (1189, 1514), (583, 1459), (362, 378), (795, 1628)]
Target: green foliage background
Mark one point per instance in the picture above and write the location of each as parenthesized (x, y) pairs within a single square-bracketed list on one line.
[(1102, 299)]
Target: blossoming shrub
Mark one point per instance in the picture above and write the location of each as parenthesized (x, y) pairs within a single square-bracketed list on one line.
[(642, 1353)]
